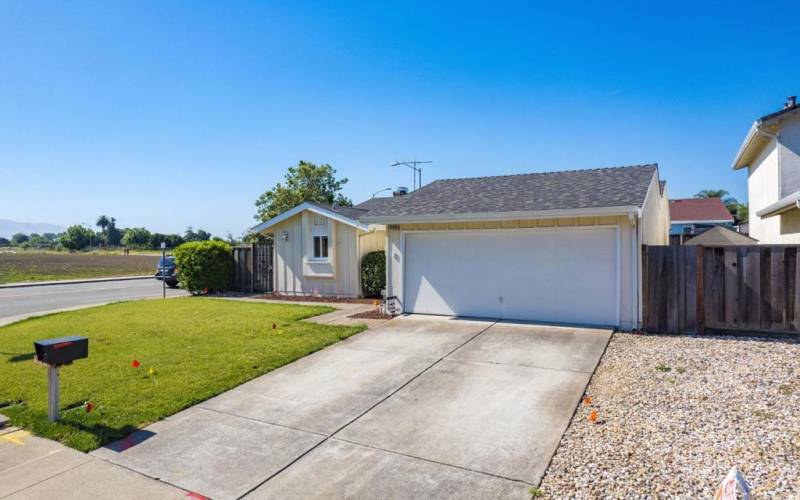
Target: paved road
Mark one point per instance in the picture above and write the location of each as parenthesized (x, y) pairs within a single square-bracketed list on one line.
[(16, 303)]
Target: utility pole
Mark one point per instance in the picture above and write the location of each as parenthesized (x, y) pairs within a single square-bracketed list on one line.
[(413, 165)]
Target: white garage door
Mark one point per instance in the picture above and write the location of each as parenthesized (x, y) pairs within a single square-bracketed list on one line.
[(564, 275)]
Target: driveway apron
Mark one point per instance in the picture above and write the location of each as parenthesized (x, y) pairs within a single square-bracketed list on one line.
[(422, 406)]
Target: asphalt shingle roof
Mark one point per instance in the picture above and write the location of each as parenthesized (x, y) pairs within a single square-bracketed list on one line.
[(596, 188), (698, 209)]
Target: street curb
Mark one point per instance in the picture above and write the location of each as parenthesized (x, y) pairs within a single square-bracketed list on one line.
[(75, 282)]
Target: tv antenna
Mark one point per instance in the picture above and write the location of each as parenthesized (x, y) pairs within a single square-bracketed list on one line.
[(413, 165)]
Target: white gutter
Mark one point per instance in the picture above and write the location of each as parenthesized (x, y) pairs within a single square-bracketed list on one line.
[(720, 221), (783, 205), (492, 216)]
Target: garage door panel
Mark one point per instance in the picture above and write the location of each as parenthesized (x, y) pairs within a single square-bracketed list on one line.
[(559, 275), (446, 276), (528, 272)]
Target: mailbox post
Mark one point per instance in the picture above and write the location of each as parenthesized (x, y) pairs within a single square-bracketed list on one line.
[(55, 353)]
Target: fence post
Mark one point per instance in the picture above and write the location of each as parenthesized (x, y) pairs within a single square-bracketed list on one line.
[(700, 287), (252, 267)]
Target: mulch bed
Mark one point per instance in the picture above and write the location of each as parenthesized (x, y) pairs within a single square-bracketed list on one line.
[(310, 298), (373, 314)]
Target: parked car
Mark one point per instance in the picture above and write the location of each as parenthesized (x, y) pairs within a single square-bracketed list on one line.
[(167, 271)]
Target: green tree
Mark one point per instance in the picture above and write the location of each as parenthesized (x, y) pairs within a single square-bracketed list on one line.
[(199, 235), (76, 237), (305, 182), (4, 242), (113, 235), (136, 237), (102, 223), (742, 213), (19, 238)]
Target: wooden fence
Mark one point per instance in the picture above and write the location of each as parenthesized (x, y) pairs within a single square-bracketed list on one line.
[(693, 289), (252, 268)]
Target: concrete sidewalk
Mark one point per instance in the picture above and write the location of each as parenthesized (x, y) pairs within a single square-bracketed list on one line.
[(36, 468), (339, 317), (73, 282)]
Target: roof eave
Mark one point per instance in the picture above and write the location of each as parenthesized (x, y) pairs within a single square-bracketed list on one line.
[(491, 216), (739, 162), (259, 228)]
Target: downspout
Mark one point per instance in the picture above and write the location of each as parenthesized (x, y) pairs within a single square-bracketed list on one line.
[(634, 217)]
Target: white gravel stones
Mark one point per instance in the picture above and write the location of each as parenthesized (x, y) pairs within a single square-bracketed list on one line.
[(675, 413)]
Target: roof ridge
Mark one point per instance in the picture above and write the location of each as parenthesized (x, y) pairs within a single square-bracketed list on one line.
[(621, 167)]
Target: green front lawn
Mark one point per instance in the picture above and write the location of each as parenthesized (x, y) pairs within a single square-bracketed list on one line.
[(196, 348)]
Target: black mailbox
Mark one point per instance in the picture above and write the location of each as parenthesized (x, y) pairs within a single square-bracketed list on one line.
[(61, 351)]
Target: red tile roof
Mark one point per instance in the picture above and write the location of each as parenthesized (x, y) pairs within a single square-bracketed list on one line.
[(698, 209)]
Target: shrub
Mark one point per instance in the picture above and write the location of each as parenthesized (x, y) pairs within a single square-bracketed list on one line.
[(373, 273), (204, 265)]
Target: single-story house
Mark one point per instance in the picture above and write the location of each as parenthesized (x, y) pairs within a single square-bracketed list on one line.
[(771, 154), (692, 216), (721, 236), (554, 247)]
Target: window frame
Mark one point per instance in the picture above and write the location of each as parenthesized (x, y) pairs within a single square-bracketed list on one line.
[(320, 252)]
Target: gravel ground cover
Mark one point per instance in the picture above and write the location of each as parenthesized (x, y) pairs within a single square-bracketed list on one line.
[(675, 413)]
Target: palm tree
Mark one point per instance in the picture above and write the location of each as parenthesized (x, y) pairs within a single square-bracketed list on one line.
[(103, 222), (712, 193)]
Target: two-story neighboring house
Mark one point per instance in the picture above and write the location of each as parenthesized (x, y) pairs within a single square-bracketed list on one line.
[(771, 154)]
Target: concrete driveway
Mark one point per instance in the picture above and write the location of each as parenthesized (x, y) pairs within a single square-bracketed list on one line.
[(423, 406)]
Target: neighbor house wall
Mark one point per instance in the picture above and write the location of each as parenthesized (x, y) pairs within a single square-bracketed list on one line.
[(772, 175), (297, 274), (628, 252), (655, 215)]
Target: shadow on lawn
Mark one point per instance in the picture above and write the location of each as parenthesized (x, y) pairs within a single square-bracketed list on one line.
[(16, 357)]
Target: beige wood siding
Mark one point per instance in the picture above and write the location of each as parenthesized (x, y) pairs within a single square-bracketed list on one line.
[(655, 216), (296, 274)]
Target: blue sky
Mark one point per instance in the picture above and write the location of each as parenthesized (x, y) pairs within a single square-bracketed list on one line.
[(169, 114)]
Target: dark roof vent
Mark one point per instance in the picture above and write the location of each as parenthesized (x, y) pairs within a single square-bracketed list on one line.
[(791, 102), (400, 191)]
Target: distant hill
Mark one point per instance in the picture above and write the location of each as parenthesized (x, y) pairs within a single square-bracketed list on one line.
[(9, 228)]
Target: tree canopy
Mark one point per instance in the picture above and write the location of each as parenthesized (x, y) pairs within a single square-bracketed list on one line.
[(305, 182)]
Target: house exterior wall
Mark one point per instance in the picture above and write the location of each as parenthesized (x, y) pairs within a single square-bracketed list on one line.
[(371, 242), (774, 174), (297, 274), (628, 253), (655, 216)]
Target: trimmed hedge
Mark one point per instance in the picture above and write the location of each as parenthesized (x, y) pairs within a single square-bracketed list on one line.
[(373, 273), (204, 266)]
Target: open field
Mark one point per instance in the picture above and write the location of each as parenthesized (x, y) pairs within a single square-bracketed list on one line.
[(46, 266), (196, 348), (675, 413)]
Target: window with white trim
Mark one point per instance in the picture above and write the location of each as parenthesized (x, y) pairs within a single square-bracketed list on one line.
[(321, 247), (319, 236)]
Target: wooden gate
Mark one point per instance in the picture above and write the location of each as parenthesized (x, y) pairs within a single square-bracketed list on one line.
[(688, 289), (252, 268)]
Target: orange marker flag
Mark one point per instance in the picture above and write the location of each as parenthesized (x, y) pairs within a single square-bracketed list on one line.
[(593, 416), (587, 400), (135, 363)]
